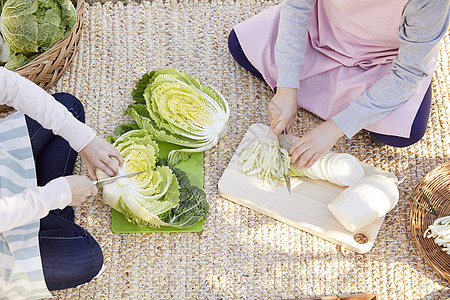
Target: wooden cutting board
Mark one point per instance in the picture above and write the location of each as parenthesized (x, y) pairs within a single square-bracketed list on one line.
[(306, 206)]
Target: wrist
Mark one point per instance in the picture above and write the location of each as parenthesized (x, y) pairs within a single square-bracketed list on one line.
[(287, 90), (337, 132)]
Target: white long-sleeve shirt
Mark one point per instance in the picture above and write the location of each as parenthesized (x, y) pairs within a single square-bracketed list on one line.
[(28, 98)]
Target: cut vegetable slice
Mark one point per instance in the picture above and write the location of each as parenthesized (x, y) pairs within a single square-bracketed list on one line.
[(346, 169), (323, 165), (309, 173), (330, 169), (364, 202), (316, 169)]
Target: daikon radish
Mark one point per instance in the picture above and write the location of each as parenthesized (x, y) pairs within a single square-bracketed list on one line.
[(316, 169), (364, 202), (329, 166), (338, 168), (323, 164), (346, 170)]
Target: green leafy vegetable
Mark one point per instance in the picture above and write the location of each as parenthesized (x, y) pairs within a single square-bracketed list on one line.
[(176, 108), (31, 27), (192, 208), (162, 196)]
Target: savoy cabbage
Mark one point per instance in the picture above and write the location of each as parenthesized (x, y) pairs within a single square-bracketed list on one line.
[(30, 27)]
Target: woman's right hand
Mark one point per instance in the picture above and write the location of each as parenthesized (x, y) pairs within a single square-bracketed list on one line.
[(99, 154), (283, 109), (81, 187)]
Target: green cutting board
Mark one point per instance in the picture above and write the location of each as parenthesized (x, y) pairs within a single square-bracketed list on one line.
[(194, 170)]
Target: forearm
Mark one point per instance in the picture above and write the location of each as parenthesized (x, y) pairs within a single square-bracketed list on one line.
[(290, 45), (28, 98), (374, 104), (34, 203)]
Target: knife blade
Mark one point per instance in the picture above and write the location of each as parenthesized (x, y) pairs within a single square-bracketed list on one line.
[(287, 174), (109, 180)]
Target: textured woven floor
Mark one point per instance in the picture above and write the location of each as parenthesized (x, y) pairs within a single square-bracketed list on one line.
[(240, 254)]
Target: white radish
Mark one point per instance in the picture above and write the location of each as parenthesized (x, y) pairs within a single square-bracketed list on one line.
[(316, 169), (364, 202), (323, 164), (346, 169), (310, 173), (338, 168), (330, 166)]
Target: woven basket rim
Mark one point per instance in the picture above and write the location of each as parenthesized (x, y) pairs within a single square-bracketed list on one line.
[(436, 185)]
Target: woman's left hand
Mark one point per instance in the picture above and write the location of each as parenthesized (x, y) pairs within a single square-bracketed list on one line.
[(98, 154), (307, 149)]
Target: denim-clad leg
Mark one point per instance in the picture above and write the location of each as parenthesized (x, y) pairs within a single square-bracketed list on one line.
[(52, 154), (238, 54), (70, 255)]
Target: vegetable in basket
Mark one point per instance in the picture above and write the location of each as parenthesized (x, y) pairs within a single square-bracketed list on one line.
[(440, 231), (176, 108), (162, 196), (30, 27)]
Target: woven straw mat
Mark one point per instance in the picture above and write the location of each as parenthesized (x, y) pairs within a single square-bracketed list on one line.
[(240, 254)]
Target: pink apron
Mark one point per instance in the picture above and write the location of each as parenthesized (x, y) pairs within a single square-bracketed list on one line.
[(351, 43)]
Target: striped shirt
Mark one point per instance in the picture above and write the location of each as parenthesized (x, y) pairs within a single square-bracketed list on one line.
[(22, 204), (21, 274)]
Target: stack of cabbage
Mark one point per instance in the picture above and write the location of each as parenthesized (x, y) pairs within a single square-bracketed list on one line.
[(162, 196), (176, 108), (30, 27)]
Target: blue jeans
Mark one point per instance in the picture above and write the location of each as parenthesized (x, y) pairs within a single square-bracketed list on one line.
[(70, 255), (419, 125)]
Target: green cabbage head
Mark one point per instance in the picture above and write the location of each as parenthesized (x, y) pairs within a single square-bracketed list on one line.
[(145, 196), (162, 196), (31, 27)]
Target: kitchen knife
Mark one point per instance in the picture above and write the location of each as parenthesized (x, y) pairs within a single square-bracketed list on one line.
[(287, 174), (108, 180)]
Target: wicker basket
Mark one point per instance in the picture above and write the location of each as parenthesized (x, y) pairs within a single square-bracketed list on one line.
[(436, 185), (47, 68)]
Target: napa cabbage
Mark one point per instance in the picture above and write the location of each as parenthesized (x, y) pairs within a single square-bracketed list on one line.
[(176, 108), (161, 196), (31, 27)]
